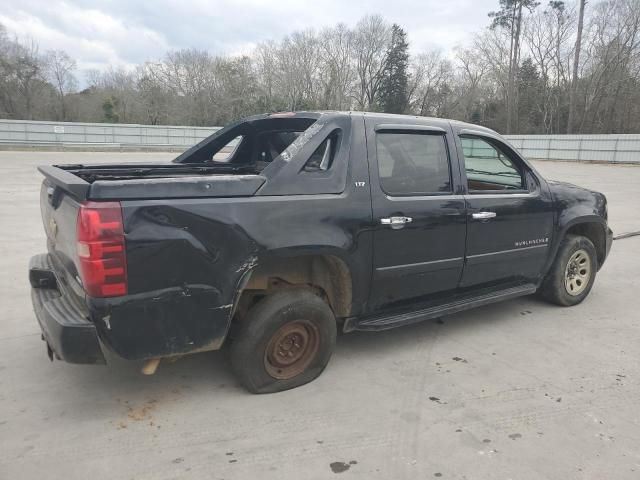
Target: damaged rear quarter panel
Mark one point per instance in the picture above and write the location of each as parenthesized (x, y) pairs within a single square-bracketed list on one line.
[(187, 260), (184, 259)]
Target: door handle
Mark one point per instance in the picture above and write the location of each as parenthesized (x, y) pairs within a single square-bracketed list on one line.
[(483, 215), (396, 222)]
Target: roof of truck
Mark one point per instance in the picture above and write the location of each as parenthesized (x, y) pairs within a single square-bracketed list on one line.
[(389, 116)]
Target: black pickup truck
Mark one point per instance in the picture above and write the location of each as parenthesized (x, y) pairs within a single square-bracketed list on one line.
[(279, 229)]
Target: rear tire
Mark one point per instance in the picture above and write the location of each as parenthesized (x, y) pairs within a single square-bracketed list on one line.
[(573, 272), (285, 340)]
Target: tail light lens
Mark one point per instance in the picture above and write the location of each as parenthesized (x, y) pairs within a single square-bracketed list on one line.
[(100, 248)]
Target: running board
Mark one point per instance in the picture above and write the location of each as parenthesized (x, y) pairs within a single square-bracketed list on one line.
[(385, 323)]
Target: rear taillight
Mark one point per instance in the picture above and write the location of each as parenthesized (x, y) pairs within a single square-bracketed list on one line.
[(100, 248)]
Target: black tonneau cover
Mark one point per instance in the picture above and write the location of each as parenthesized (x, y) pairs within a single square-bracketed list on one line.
[(200, 183), (176, 187)]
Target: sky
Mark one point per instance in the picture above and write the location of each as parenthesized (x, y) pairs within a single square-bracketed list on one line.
[(123, 33)]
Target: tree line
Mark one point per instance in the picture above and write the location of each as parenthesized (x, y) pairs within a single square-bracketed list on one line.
[(559, 67)]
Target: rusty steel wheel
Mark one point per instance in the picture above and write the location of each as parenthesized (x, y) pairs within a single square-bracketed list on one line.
[(284, 341), (291, 349)]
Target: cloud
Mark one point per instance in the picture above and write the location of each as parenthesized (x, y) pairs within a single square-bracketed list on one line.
[(93, 37), (124, 32)]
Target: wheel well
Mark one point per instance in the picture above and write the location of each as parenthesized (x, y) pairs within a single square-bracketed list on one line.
[(328, 275), (594, 232)]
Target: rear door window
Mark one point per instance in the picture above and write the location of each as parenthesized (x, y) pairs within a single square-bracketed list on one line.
[(413, 163)]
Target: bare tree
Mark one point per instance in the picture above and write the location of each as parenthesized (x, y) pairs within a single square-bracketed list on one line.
[(265, 66), (156, 101), (60, 68), (22, 77), (187, 74), (509, 18), (7, 106), (576, 63), (372, 35), (547, 34), (609, 82), (494, 48), (235, 89), (336, 73), (472, 72), (430, 71), (297, 66)]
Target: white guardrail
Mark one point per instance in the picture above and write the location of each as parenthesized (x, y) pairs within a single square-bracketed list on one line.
[(75, 134), (33, 135), (610, 148)]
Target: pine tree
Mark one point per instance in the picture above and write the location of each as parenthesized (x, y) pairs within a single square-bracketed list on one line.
[(109, 108), (529, 87), (392, 96)]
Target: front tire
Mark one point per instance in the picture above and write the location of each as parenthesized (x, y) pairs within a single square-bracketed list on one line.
[(285, 340), (573, 272)]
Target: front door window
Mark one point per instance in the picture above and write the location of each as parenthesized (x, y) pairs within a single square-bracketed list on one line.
[(488, 168)]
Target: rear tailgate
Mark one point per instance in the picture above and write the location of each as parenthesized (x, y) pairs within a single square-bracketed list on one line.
[(60, 197)]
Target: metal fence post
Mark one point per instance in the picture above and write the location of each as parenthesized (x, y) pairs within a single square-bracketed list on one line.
[(579, 149)]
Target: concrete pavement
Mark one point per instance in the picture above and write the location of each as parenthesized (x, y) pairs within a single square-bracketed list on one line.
[(520, 390)]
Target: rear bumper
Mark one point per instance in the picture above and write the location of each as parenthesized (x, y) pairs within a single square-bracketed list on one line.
[(64, 323)]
